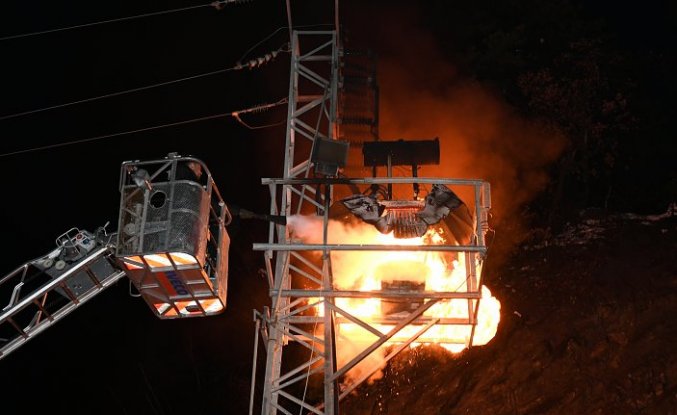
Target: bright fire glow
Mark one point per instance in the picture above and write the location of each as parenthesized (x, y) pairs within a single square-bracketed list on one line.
[(381, 270), (189, 307)]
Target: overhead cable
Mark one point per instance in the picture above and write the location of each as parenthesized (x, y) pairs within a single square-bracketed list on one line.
[(258, 127), (261, 107), (218, 5), (257, 109), (254, 63), (113, 94), (233, 114), (101, 137), (261, 60), (244, 55)]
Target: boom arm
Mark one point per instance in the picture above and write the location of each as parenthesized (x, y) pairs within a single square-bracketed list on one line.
[(172, 244), (42, 291)]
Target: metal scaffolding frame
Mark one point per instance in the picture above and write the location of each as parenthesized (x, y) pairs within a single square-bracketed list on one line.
[(300, 285), (288, 319), (311, 117)]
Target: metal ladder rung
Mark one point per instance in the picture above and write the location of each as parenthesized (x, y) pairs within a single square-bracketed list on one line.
[(23, 317)]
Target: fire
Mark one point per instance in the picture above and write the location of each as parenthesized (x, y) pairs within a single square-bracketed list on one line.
[(409, 270)]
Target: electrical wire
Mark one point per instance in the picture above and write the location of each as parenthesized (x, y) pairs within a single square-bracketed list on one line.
[(259, 108), (273, 34), (254, 63), (257, 127), (218, 5), (262, 107), (234, 114), (101, 137), (114, 94), (239, 66)]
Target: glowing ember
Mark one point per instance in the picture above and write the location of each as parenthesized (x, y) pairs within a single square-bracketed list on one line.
[(402, 270)]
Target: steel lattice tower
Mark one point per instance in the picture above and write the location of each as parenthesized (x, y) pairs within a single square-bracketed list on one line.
[(300, 284)]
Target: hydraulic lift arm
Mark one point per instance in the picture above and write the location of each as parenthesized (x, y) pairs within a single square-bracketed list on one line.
[(42, 291), (172, 244)]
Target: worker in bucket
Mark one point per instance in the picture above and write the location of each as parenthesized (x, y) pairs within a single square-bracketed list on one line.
[(189, 170)]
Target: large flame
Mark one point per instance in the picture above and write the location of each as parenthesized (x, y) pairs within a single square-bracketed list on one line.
[(378, 270)]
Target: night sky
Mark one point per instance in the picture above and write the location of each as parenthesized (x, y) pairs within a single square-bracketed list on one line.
[(112, 355)]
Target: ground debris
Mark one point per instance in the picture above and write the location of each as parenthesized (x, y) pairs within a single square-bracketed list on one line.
[(594, 333)]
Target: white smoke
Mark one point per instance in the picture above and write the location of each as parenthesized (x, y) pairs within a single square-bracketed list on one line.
[(348, 273)]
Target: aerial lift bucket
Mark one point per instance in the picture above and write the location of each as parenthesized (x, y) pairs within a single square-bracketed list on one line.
[(172, 240)]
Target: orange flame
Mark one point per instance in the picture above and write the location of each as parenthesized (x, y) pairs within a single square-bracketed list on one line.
[(369, 270)]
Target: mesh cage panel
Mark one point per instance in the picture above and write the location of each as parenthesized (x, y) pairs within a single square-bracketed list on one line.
[(155, 231), (131, 214), (174, 221)]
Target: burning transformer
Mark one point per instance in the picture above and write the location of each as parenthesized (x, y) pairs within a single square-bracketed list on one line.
[(441, 209), (441, 216)]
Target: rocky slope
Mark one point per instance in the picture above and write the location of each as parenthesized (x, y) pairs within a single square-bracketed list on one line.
[(589, 326)]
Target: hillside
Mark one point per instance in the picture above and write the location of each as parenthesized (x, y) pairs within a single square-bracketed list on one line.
[(588, 326)]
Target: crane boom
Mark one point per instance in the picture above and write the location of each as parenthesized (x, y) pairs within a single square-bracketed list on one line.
[(172, 244), (44, 290)]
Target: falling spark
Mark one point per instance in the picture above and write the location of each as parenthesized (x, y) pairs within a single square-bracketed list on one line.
[(370, 270)]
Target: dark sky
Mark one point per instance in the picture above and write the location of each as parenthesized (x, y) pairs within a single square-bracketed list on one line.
[(112, 355)]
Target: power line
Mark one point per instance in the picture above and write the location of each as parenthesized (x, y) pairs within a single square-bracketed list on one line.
[(274, 33), (234, 114), (257, 127), (101, 137), (254, 63), (238, 66), (218, 5), (113, 94), (259, 108)]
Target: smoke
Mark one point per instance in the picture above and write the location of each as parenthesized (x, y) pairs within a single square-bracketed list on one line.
[(424, 96), (364, 270), (347, 267), (348, 272), (480, 137)]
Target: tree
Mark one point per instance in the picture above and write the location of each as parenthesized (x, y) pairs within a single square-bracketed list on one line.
[(579, 95)]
